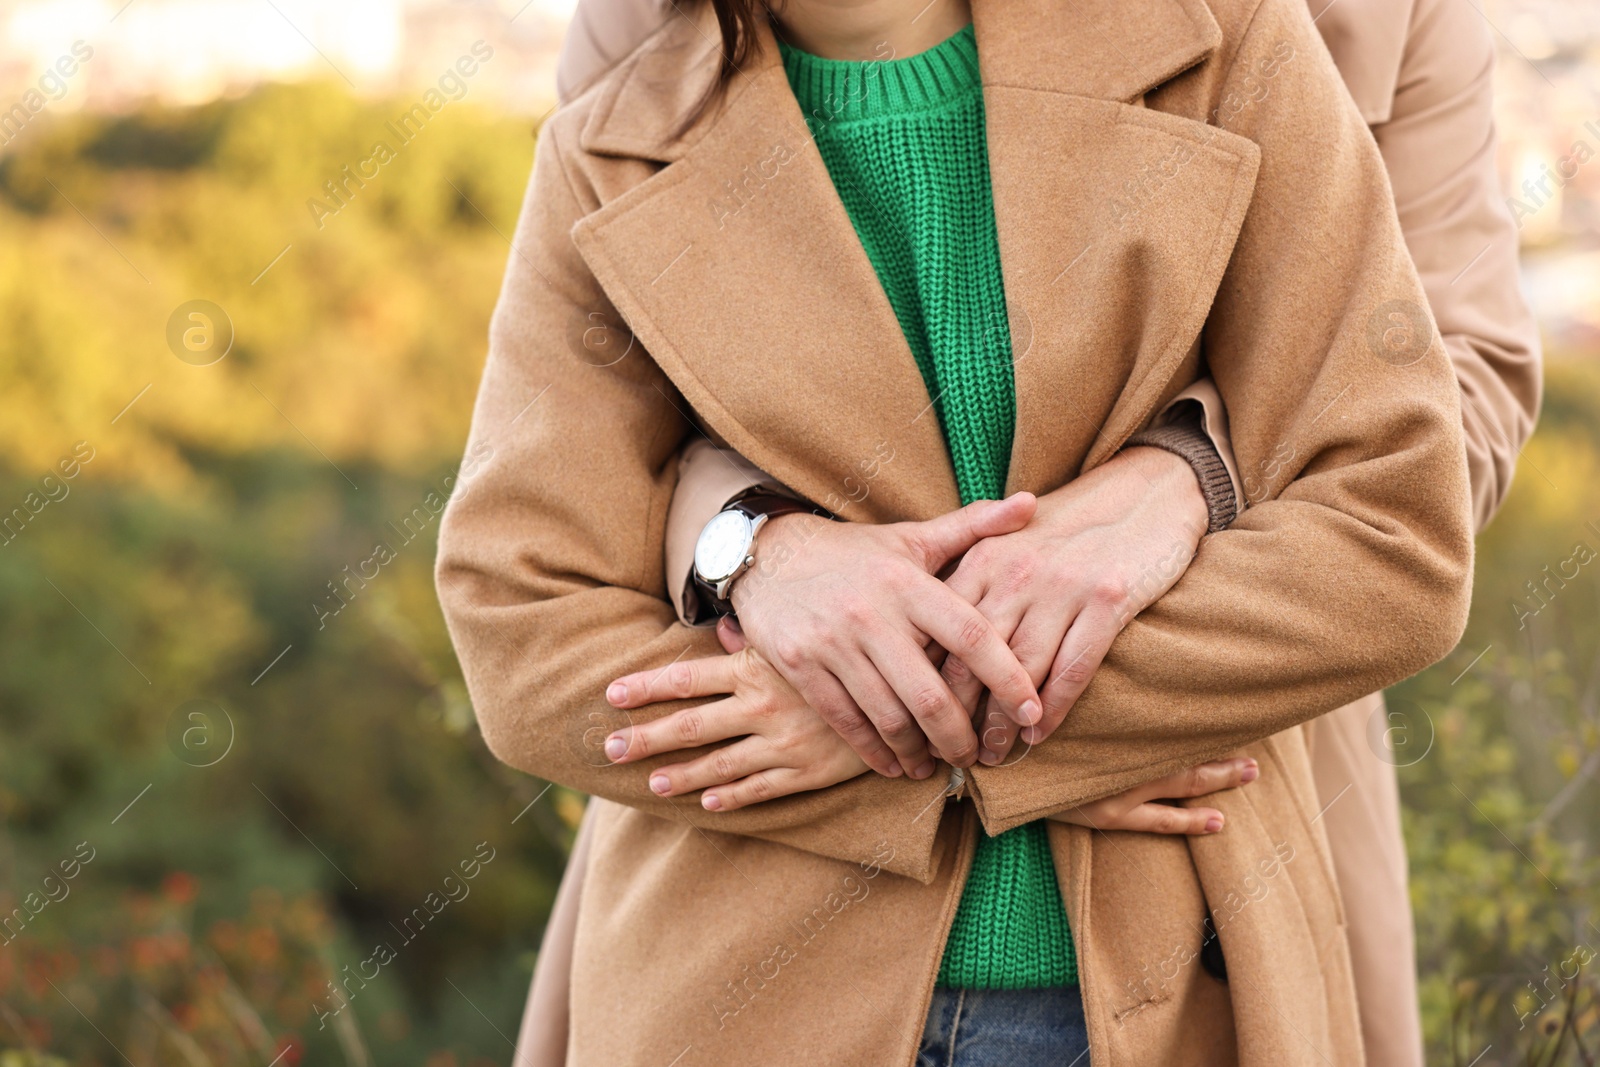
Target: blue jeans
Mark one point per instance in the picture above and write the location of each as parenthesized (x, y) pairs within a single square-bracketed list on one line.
[(1005, 1028)]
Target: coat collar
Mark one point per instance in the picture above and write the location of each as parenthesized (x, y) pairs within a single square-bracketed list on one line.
[(641, 112), (738, 269)]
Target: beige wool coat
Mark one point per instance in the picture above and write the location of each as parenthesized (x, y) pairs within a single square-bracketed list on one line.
[(1421, 73), (1213, 193)]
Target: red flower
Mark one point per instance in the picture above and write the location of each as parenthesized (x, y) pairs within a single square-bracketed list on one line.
[(179, 887)]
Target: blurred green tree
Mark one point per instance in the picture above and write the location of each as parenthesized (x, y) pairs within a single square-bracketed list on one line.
[(184, 562)]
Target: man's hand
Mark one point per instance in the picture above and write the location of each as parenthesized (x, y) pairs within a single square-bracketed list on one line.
[(1100, 550), (844, 612)]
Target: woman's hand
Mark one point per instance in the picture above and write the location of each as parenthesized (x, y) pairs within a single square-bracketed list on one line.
[(845, 611), (784, 746), (1100, 550), (1140, 808)]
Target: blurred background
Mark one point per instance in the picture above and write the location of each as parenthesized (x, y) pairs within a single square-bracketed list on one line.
[(230, 770)]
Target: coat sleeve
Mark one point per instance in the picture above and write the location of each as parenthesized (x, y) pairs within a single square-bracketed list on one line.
[(550, 566), (1439, 148), (1353, 568)]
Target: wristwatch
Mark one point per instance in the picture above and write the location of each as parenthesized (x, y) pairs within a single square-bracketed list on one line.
[(727, 543)]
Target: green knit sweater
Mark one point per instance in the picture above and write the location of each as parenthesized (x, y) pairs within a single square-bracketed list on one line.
[(904, 143)]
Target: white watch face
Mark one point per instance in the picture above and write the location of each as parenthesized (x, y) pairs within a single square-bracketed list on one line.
[(724, 543)]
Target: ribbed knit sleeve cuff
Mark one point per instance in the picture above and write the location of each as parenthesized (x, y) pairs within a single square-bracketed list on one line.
[(1185, 438)]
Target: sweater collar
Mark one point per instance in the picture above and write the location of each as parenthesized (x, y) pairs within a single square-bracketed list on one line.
[(832, 90)]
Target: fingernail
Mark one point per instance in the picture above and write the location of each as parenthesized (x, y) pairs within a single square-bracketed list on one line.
[(1213, 824), (660, 784), (894, 771), (988, 759), (1250, 773), (616, 748), (924, 769), (1030, 712), (616, 692), (1032, 734), (710, 802)]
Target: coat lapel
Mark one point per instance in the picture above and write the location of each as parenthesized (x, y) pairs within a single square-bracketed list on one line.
[(1140, 209), (739, 271)]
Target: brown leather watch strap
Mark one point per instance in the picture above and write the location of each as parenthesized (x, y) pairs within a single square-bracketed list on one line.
[(760, 500)]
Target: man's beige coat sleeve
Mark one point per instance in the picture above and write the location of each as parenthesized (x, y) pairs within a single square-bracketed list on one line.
[(600, 34), (1439, 149)]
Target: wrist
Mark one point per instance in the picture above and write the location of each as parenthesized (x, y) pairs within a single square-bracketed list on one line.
[(793, 526), (777, 542), (726, 549), (1171, 476), (1186, 437)]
